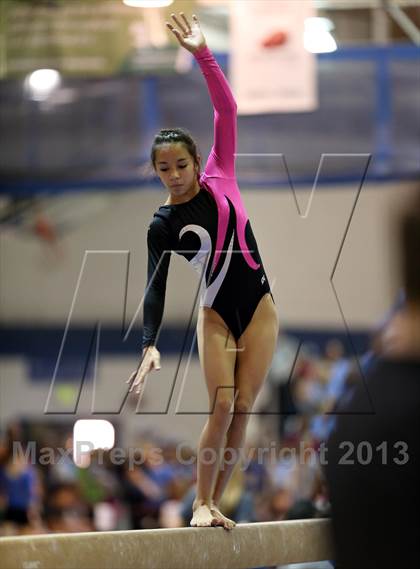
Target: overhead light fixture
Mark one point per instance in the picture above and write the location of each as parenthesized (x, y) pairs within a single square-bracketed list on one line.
[(317, 37), (148, 3), (41, 83)]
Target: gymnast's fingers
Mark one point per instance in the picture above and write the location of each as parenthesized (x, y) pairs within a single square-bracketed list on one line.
[(135, 382), (173, 30), (176, 33), (140, 387), (156, 362), (186, 21), (179, 24), (132, 376), (139, 383)]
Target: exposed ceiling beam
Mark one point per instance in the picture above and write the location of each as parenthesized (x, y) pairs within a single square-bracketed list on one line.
[(401, 18)]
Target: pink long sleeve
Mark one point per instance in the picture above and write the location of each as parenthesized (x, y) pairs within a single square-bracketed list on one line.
[(219, 173), (221, 161)]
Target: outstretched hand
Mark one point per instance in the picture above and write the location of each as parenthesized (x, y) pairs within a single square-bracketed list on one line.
[(150, 360), (188, 35)]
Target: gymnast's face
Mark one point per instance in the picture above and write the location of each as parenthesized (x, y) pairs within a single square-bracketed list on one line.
[(175, 167)]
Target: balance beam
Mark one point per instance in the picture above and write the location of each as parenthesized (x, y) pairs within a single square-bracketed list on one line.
[(246, 546)]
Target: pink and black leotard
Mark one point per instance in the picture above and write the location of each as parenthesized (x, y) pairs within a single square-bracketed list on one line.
[(212, 230)]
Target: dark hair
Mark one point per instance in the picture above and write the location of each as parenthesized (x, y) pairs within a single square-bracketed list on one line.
[(410, 245), (173, 136)]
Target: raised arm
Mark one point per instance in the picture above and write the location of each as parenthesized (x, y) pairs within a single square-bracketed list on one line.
[(222, 156), (221, 161)]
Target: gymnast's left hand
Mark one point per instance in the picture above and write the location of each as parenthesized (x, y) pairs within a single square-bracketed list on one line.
[(150, 360), (188, 35)]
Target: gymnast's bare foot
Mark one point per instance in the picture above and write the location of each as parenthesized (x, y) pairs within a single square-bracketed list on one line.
[(221, 519), (202, 516)]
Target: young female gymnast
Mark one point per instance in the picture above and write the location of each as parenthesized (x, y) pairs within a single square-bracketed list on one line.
[(205, 220)]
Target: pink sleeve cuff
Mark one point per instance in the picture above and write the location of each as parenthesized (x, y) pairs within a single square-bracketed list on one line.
[(203, 50)]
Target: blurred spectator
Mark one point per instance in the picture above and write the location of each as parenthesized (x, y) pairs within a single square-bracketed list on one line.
[(147, 486), (256, 473), (18, 490), (63, 469), (297, 471), (99, 487), (66, 511), (323, 422), (279, 504), (279, 380), (375, 495)]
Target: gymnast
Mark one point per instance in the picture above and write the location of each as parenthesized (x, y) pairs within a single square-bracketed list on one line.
[(205, 221)]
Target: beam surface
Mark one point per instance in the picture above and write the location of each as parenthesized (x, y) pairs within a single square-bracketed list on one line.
[(246, 546)]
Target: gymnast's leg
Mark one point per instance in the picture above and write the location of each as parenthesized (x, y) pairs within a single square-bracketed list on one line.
[(253, 363), (218, 364)]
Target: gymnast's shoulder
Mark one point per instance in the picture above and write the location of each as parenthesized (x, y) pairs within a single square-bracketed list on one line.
[(159, 225)]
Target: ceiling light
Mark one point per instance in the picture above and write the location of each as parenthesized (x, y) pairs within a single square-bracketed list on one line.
[(317, 37), (40, 83), (148, 3)]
